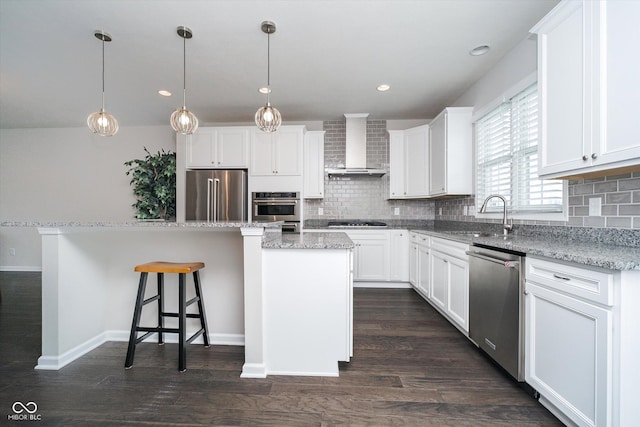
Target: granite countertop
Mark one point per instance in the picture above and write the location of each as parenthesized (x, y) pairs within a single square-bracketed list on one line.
[(304, 240), (141, 224), (592, 253)]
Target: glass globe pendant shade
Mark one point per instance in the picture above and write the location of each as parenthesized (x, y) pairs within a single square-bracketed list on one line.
[(268, 118), (184, 121), (102, 123)]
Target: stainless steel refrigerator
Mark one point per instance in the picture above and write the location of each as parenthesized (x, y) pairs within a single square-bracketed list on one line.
[(216, 195)]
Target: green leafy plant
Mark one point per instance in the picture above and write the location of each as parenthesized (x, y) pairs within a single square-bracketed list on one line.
[(154, 185)]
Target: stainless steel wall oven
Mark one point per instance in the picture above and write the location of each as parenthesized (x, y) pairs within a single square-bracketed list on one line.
[(277, 206)]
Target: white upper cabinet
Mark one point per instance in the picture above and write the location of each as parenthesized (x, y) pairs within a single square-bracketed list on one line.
[(313, 165), (224, 147), (450, 153), (587, 87), (408, 163), (278, 153)]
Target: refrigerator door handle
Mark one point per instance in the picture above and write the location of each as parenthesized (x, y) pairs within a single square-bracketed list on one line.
[(209, 193), (216, 196)]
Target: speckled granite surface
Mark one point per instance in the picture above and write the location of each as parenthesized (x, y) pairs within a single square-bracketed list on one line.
[(303, 240), (141, 224), (610, 248), (596, 254)]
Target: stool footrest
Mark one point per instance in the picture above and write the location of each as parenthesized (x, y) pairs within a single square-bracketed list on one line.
[(188, 315), (152, 299), (196, 335)]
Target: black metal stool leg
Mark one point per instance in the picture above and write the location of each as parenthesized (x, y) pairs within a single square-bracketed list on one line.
[(182, 323), (203, 316), (136, 320), (160, 307)]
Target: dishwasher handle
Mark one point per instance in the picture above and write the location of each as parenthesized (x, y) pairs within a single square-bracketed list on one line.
[(509, 264)]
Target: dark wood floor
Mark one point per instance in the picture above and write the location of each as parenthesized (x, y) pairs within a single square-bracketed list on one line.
[(410, 367)]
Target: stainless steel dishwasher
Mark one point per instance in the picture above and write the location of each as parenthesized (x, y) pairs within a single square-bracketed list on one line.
[(496, 306)]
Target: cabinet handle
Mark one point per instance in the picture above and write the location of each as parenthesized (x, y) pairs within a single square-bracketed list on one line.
[(584, 157), (594, 156), (557, 276)]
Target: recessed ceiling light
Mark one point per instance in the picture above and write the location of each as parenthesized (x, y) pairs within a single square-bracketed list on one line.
[(479, 50), (164, 92), (383, 88), (264, 90)]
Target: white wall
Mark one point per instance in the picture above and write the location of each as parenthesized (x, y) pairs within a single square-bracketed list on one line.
[(512, 68), (65, 175)]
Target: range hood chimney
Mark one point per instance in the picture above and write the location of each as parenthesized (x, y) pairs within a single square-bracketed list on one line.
[(356, 149)]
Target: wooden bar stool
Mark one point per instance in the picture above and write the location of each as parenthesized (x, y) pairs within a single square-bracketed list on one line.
[(182, 269)]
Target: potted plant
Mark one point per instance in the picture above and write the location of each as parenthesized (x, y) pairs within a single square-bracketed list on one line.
[(154, 185)]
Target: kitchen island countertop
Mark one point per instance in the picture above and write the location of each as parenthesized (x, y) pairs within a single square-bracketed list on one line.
[(303, 240), (141, 224)]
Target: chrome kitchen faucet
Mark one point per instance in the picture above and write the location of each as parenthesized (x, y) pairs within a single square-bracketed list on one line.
[(507, 225)]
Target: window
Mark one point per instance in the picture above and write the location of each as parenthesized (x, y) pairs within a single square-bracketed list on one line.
[(507, 159)]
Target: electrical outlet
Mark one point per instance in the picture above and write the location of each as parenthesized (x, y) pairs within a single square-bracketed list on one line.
[(472, 210), (595, 206), (12, 251), (320, 211), (439, 211), (396, 211), (464, 210)]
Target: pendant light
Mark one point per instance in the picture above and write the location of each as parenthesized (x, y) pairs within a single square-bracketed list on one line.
[(268, 118), (101, 122), (182, 120)]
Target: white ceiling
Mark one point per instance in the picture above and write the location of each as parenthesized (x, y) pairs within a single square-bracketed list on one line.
[(327, 57)]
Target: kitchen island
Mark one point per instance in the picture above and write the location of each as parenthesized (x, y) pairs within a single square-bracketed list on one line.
[(89, 286)]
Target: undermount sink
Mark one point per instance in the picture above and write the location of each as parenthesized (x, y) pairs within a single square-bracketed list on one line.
[(478, 234)]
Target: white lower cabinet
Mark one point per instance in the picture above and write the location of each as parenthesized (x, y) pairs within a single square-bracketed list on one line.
[(398, 255), (449, 285), (371, 255), (419, 262), (439, 271), (569, 340)]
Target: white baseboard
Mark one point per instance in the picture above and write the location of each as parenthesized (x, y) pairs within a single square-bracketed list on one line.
[(388, 285), (54, 363), (28, 268), (254, 370)]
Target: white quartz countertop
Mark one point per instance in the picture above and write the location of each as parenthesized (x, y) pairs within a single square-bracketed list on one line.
[(304, 240)]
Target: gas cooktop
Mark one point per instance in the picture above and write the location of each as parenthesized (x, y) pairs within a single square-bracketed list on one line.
[(356, 224)]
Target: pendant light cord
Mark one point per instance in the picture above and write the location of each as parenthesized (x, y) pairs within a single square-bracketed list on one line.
[(184, 71), (103, 73), (268, 65)]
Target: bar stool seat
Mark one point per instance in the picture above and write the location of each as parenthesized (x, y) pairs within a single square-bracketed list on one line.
[(160, 268)]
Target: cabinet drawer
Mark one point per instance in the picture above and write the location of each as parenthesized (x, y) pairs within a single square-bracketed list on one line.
[(419, 238), (449, 247), (587, 283)]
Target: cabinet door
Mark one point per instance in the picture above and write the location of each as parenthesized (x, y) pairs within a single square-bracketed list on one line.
[(201, 149), (564, 137), (397, 169), (458, 292), (288, 151), (568, 351), (438, 155), (399, 255), (619, 73), (313, 176), (424, 270), (232, 148), (371, 255), (413, 265), (439, 279), (262, 153), (417, 161)]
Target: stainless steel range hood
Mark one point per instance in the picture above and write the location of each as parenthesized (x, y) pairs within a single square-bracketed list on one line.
[(356, 149)]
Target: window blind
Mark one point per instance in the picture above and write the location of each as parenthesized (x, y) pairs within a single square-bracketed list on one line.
[(507, 158)]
